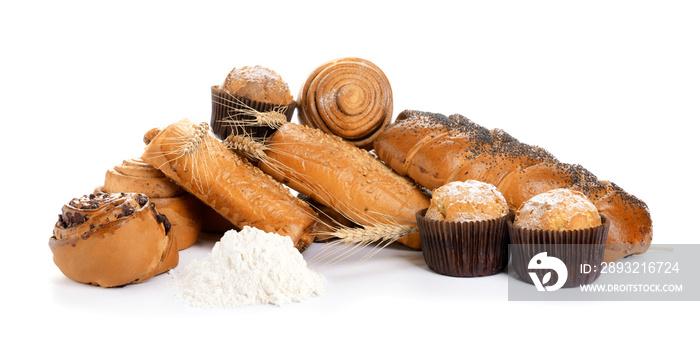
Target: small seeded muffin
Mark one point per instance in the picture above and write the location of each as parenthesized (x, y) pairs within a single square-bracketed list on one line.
[(464, 232), (467, 201), (259, 84), (556, 210), (564, 224), (252, 101)]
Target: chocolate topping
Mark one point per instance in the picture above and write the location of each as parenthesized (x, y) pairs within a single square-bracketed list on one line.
[(70, 219), (142, 199), (127, 210), (161, 218)]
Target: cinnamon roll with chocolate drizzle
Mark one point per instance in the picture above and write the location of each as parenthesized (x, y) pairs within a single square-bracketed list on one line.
[(112, 239)]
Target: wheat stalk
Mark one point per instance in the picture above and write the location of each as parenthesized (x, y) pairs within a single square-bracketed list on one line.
[(352, 240), (189, 145), (197, 137), (374, 233), (274, 118), (246, 145)]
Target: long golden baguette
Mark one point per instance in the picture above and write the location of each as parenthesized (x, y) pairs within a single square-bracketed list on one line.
[(418, 142), (343, 177), (241, 193)]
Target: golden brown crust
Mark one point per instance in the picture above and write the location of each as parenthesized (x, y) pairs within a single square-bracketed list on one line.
[(523, 184), (595, 189), (259, 84), (182, 209), (343, 177), (112, 240), (347, 97), (429, 147), (493, 164), (185, 214), (229, 184), (436, 159), (397, 144), (631, 228), (137, 176)]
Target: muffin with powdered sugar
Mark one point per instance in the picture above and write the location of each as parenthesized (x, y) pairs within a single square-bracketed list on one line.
[(564, 224), (464, 230)]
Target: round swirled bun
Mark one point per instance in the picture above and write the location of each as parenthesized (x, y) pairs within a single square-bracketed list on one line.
[(466, 201), (259, 84), (557, 209)]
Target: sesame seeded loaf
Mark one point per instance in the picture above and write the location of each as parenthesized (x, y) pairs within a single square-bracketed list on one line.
[(341, 176)]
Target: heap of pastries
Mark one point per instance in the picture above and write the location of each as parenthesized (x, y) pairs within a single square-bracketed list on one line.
[(343, 177), (182, 209), (434, 149), (431, 179), (229, 184)]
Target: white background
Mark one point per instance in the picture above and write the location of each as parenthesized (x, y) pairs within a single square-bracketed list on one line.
[(611, 85)]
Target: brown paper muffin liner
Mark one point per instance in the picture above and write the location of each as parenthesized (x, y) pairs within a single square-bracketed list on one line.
[(464, 249), (227, 111), (573, 247)]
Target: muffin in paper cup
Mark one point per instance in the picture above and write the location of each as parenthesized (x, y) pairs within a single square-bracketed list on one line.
[(575, 248), (233, 115), (464, 248)]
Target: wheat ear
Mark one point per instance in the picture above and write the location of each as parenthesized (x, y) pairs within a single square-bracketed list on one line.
[(374, 233), (246, 145), (274, 118), (197, 137), (352, 240)]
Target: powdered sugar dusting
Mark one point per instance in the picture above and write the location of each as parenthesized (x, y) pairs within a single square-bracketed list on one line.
[(467, 201), (245, 268), (557, 209)]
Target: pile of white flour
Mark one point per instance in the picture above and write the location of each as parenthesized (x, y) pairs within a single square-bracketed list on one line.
[(248, 267)]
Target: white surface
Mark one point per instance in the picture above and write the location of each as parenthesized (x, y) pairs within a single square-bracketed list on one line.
[(607, 84)]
